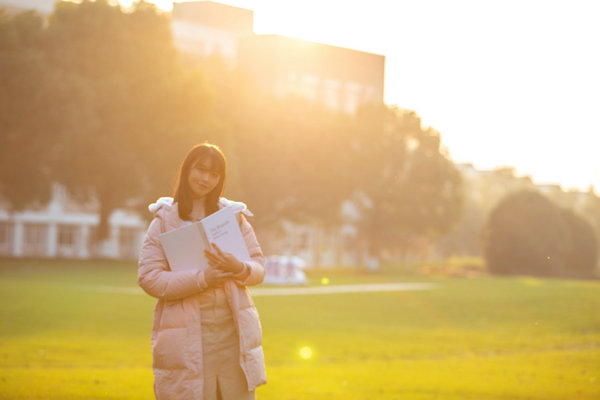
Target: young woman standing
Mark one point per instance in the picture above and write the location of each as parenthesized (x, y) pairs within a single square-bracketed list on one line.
[(206, 334)]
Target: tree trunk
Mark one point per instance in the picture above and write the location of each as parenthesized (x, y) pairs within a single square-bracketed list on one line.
[(374, 244), (373, 233), (106, 208), (317, 245)]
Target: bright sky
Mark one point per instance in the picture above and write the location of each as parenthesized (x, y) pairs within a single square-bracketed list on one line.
[(506, 82)]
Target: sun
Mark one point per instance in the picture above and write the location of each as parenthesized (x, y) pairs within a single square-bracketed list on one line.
[(165, 5)]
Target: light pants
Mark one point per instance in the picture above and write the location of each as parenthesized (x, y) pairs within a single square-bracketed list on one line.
[(223, 376)]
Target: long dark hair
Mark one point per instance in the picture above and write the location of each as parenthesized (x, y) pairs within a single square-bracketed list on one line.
[(183, 193)]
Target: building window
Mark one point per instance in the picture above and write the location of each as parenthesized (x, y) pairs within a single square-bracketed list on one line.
[(370, 94), (128, 242), (331, 93), (36, 239), (6, 238), (67, 240), (197, 48), (352, 97), (303, 241), (94, 242), (293, 85), (305, 86), (310, 87), (6, 233), (209, 48), (66, 235)]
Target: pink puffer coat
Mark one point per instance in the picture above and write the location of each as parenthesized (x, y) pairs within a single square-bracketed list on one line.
[(176, 331)]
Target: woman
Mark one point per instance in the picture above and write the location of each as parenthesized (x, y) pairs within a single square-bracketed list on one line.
[(206, 335)]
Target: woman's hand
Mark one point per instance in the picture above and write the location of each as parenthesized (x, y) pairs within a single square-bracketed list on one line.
[(224, 261), (215, 277)]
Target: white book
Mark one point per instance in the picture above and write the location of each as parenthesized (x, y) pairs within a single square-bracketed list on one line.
[(184, 247)]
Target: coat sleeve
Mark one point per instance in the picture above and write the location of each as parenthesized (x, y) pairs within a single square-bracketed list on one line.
[(154, 275), (254, 270)]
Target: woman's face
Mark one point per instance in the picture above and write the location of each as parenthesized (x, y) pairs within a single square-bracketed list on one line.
[(202, 179)]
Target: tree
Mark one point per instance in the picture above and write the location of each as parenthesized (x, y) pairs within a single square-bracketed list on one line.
[(411, 186), (483, 190), (287, 152), (527, 234), (144, 110), (300, 161), (97, 100), (583, 257), (25, 98), (298, 147), (465, 239), (591, 211)]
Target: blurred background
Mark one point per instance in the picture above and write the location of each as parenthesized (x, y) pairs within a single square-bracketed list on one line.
[(100, 101), (426, 170)]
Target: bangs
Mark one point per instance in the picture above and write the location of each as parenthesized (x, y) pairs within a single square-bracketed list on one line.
[(210, 160)]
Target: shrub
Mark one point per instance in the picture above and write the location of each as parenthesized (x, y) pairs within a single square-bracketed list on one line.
[(526, 234), (583, 257)]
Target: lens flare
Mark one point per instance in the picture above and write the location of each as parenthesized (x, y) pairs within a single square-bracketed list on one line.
[(305, 353), (324, 281)]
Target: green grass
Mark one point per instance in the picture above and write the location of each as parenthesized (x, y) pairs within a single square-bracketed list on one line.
[(65, 335)]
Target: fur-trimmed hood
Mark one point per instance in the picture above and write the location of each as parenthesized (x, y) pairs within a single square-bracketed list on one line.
[(237, 206)]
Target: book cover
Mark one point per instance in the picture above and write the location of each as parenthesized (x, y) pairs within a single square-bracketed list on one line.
[(184, 247), (223, 228)]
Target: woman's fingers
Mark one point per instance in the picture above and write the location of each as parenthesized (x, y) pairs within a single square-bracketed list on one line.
[(218, 249), (212, 258), (210, 254), (218, 255), (215, 276), (217, 272), (219, 258), (213, 261), (225, 261), (225, 274)]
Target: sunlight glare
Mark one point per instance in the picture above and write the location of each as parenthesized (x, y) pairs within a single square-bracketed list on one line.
[(164, 5), (487, 125), (531, 281)]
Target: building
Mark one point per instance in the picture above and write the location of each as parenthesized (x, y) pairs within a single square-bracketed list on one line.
[(204, 28), (341, 79), (65, 229), (44, 7)]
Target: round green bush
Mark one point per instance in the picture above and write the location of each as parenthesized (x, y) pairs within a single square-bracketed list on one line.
[(526, 234)]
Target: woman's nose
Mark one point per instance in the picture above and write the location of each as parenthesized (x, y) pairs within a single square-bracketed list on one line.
[(205, 175)]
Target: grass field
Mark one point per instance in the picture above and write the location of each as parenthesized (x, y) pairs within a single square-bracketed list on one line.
[(65, 333)]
